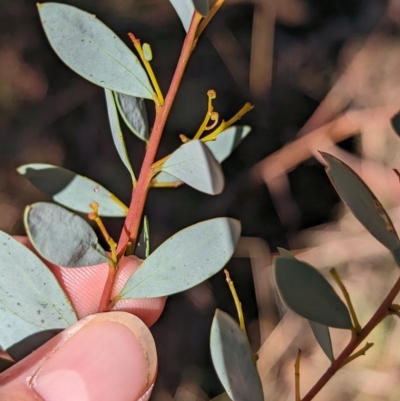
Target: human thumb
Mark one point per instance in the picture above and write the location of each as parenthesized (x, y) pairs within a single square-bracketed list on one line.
[(108, 356)]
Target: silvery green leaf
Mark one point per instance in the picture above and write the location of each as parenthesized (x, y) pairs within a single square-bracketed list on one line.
[(320, 331), (188, 258), (133, 111), (72, 190), (31, 299), (323, 337), (233, 359), (62, 237), (194, 164), (227, 141), (93, 51), (305, 291), (116, 132), (185, 10)]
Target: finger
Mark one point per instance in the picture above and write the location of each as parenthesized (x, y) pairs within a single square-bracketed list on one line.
[(147, 309), (84, 287), (109, 356)]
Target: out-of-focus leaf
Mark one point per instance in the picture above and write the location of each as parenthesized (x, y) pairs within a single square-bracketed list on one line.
[(227, 141), (31, 299), (194, 164), (395, 121), (93, 51), (201, 6), (117, 132), (305, 291), (362, 203), (233, 359), (62, 237), (321, 332), (185, 10), (72, 190), (186, 259), (133, 112), (323, 337), (285, 253)]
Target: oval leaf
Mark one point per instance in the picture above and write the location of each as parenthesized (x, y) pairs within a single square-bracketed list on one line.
[(323, 337), (227, 141), (233, 359), (133, 112), (93, 51), (362, 202), (62, 237), (186, 259), (116, 132), (305, 291), (185, 10), (31, 299), (72, 190), (195, 165)]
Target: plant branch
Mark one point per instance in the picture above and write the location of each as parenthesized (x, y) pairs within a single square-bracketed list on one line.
[(132, 221), (131, 226), (238, 304), (361, 352), (297, 376), (378, 316)]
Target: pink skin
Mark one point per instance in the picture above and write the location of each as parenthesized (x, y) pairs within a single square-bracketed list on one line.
[(84, 287), (103, 356), (109, 356)]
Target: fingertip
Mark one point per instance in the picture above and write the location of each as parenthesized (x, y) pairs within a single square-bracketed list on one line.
[(102, 357)]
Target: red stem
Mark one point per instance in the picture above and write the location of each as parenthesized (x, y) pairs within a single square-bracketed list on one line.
[(378, 316), (139, 193)]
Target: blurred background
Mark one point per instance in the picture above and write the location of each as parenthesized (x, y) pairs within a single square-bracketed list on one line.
[(337, 63)]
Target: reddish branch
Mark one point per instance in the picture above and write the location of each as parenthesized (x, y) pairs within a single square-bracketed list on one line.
[(379, 315), (132, 222), (139, 193)]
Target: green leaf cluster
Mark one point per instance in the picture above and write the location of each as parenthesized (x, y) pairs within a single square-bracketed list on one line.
[(60, 237)]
